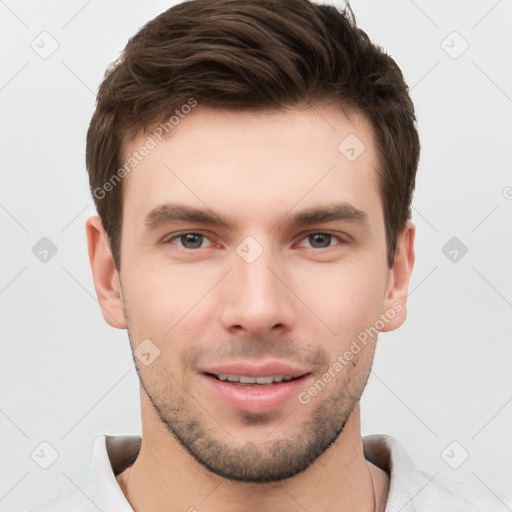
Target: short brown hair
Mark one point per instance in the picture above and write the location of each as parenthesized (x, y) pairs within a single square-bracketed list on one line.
[(252, 55)]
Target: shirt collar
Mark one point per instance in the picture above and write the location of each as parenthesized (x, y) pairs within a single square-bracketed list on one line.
[(113, 454)]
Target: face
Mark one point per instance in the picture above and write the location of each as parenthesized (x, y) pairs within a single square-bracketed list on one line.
[(253, 256)]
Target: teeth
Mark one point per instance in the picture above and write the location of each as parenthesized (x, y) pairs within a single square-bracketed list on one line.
[(265, 380), (243, 379)]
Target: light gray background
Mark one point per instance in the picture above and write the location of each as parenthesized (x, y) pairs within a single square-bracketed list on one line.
[(445, 376)]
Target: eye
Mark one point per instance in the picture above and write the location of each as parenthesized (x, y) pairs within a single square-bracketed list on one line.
[(320, 240), (189, 240)]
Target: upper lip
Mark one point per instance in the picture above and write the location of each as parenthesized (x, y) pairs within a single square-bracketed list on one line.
[(248, 369)]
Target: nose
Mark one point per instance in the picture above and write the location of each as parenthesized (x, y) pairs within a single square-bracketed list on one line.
[(257, 300)]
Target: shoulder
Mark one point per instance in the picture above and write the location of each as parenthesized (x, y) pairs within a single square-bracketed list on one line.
[(71, 501), (99, 491), (436, 492), (448, 495), (414, 490)]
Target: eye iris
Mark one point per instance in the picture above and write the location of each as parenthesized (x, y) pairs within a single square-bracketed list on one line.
[(320, 240), (191, 240)]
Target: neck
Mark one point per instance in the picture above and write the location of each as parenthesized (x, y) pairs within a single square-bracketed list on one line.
[(166, 477)]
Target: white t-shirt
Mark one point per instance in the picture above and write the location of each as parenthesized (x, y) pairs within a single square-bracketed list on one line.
[(410, 489)]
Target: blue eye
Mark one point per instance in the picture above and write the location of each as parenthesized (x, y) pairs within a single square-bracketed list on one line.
[(189, 240), (192, 240), (320, 240)]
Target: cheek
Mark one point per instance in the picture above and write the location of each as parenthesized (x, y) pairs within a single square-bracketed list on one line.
[(166, 299), (346, 297)]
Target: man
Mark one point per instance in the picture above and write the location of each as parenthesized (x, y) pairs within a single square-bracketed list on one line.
[(253, 165)]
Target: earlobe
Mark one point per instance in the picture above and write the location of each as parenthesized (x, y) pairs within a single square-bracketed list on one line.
[(105, 276), (395, 303)]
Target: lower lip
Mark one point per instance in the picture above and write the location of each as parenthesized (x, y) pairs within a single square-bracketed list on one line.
[(254, 399)]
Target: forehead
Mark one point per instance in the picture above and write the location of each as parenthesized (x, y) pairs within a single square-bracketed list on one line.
[(244, 164)]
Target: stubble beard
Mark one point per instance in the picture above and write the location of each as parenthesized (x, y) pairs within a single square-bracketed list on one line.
[(272, 460)]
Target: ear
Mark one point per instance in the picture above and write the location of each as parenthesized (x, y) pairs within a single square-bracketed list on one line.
[(105, 276), (394, 309)]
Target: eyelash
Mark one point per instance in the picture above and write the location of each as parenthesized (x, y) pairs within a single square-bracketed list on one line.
[(306, 236)]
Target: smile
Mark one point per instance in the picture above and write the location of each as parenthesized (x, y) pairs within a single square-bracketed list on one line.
[(254, 393), (244, 379)]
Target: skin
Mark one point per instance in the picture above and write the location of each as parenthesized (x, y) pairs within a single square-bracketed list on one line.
[(298, 301)]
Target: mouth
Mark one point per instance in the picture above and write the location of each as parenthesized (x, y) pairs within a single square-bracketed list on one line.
[(245, 380), (253, 388)]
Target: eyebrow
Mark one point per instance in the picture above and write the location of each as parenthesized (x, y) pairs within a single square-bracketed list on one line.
[(338, 211), (172, 212)]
